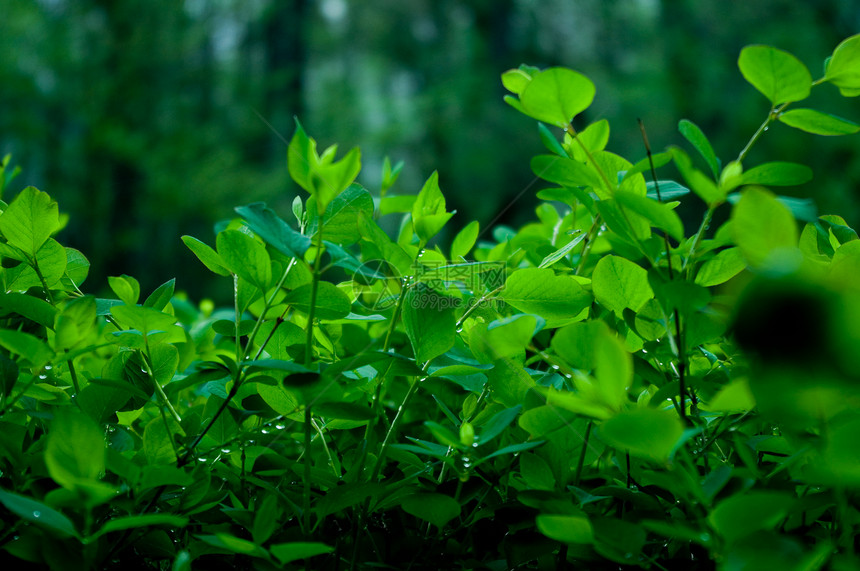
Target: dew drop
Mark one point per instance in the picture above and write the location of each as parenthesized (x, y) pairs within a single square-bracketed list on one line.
[(264, 431), (37, 514), (43, 377), (202, 459), (280, 426), (225, 450)]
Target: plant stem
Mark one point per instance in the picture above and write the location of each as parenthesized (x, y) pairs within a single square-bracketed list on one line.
[(587, 243), (266, 306), (163, 397), (579, 464), (306, 496), (315, 282), (475, 305), (413, 388), (697, 239), (393, 325), (771, 117)]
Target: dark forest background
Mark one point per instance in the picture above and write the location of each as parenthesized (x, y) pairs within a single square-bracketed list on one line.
[(149, 119)]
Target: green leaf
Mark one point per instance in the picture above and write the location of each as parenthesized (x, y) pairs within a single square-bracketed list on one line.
[(843, 67), (38, 513), (428, 211), (777, 74), (32, 308), (331, 302), (143, 520), (464, 240), (126, 288), (289, 552), (565, 528), (245, 257), (742, 514), (75, 449), (556, 95), (620, 284), (566, 172), (162, 295), (497, 424), (575, 343), (26, 345), (266, 519), (502, 338), (508, 382), (75, 323), (438, 509), (30, 220), (644, 432), (206, 255), (700, 142), (735, 397), (778, 174), (77, 269), (281, 401), (340, 223), (234, 544), (721, 268), (51, 261), (549, 141), (344, 411), (643, 165), (703, 186), (101, 402), (329, 180), (302, 158), (613, 370), (558, 299), (818, 123), (516, 80), (551, 259), (660, 215), (146, 320), (761, 225), (157, 444), (429, 321), (164, 359), (274, 230)]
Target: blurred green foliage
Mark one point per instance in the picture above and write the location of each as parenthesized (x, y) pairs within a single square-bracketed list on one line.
[(149, 120)]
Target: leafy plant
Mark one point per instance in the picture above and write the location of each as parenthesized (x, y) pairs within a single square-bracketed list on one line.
[(597, 388)]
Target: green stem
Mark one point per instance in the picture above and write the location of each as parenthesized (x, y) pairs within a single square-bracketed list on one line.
[(772, 115), (74, 375), (569, 128), (587, 243), (162, 397), (393, 325), (697, 239), (579, 464), (266, 306), (306, 496), (475, 305), (42, 280), (315, 282), (389, 436)]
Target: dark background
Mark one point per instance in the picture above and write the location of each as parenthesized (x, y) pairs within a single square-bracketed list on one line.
[(150, 119)]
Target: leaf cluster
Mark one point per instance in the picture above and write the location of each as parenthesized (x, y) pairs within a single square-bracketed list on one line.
[(597, 388)]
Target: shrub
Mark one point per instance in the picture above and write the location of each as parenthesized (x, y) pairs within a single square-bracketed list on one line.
[(596, 388)]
